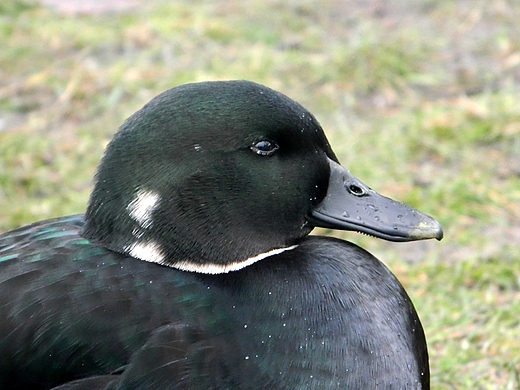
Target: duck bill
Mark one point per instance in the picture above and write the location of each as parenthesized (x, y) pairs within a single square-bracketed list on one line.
[(351, 205)]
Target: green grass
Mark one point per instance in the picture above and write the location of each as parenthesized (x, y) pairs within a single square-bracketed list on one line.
[(420, 99)]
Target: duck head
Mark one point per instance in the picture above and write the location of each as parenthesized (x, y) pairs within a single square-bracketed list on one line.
[(211, 177)]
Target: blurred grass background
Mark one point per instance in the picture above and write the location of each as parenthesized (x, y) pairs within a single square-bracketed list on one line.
[(420, 99)]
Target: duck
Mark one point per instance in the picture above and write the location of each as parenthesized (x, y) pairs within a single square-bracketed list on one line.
[(194, 267)]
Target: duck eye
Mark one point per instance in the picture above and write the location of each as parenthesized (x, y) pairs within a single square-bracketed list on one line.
[(264, 148)]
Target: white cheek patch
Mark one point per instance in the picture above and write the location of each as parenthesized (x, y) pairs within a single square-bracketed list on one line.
[(213, 269), (140, 210), (149, 251), (142, 207)]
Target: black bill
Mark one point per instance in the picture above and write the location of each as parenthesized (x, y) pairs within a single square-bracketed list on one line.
[(351, 205)]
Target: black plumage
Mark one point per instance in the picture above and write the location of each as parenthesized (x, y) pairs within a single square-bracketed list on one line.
[(224, 180)]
